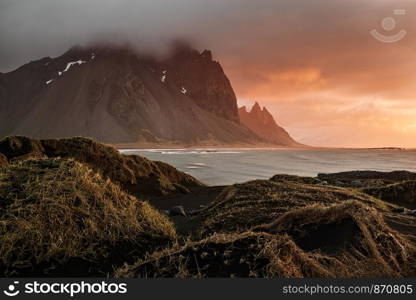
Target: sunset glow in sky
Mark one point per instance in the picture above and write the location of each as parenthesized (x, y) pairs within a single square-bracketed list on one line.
[(312, 63), (331, 83)]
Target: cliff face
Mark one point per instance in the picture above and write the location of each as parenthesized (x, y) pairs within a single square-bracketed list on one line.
[(261, 122), (202, 79), (115, 95)]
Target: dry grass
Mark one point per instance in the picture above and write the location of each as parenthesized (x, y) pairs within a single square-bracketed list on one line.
[(135, 174), (351, 239), (3, 161), (242, 255), (58, 217), (64, 212), (294, 178), (242, 206), (344, 240), (394, 176)]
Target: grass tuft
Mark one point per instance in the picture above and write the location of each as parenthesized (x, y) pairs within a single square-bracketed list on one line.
[(60, 218)]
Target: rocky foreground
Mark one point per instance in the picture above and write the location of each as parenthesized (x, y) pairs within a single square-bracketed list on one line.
[(74, 207)]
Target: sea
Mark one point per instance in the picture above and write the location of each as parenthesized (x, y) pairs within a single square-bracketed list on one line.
[(229, 166)]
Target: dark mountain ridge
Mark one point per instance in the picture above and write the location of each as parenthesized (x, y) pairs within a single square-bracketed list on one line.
[(115, 95), (261, 122)]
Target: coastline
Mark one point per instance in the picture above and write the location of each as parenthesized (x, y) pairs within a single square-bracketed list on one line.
[(165, 215), (175, 146)]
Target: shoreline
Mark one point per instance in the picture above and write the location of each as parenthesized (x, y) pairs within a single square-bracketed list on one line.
[(132, 147), (173, 146)]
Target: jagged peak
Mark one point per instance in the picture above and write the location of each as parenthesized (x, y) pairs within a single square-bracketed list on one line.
[(207, 54), (256, 108), (267, 113), (243, 109)]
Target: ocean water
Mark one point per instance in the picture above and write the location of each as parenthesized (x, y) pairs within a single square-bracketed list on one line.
[(225, 166)]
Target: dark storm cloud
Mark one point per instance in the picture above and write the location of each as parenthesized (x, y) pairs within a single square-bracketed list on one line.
[(309, 58), (30, 29)]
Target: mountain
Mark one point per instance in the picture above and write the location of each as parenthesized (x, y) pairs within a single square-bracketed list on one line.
[(263, 124), (115, 95)]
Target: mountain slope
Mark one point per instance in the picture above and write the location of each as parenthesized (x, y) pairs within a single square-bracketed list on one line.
[(117, 96), (261, 122)]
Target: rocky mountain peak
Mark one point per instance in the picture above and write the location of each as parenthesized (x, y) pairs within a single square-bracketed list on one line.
[(256, 109), (207, 54), (117, 95), (262, 122)]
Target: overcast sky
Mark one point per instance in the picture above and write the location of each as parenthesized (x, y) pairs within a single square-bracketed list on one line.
[(313, 63)]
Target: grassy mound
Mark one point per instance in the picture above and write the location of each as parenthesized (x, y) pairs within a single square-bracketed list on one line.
[(363, 175), (242, 206), (135, 174), (343, 240), (351, 239), (60, 218), (401, 193), (367, 178), (242, 255), (294, 178)]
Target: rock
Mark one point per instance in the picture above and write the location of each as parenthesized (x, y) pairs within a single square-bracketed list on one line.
[(204, 80), (166, 212), (399, 210), (178, 211), (339, 183), (194, 212), (411, 213)]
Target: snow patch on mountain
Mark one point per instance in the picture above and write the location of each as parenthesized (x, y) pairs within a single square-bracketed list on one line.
[(70, 64), (163, 78)]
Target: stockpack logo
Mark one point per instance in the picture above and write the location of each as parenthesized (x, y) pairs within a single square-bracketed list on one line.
[(63, 288), (12, 289)]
